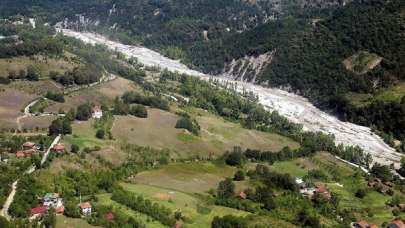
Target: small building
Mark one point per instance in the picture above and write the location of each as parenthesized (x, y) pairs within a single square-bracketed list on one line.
[(97, 113), (60, 210), (85, 208), (397, 223), (29, 146), (58, 148), (242, 195), (39, 210), (363, 224), (20, 154), (301, 184), (322, 191), (52, 200), (109, 216)]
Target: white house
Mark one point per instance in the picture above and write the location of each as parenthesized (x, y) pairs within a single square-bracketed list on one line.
[(97, 113), (85, 208)]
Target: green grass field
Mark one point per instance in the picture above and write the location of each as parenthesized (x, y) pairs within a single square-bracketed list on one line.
[(65, 222), (344, 182), (196, 177), (186, 203), (216, 136)]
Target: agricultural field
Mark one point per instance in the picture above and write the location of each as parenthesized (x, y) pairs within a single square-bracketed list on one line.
[(104, 93), (196, 212), (344, 181), (217, 135), (196, 177), (11, 103), (36, 122), (42, 64), (65, 222), (394, 93)]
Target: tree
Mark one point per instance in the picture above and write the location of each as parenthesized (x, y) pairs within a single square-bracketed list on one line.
[(74, 148), (84, 112), (226, 188), (239, 176), (60, 126), (100, 134), (228, 221), (49, 221), (236, 157), (139, 111), (32, 74)]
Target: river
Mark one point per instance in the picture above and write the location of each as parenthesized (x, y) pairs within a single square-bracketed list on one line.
[(296, 108)]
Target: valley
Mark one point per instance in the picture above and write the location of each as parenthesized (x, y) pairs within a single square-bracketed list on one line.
[(294, 107)]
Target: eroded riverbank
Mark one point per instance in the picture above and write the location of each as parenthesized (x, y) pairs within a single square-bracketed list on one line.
[(295, 108)]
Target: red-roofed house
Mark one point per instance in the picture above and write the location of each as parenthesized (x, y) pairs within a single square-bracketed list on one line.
[(363, 224), (322, 191), (20, 154), (58, 148), (397, 223), (109, 216), (85, 208), (28, 146), (242, 195), (39, 210)]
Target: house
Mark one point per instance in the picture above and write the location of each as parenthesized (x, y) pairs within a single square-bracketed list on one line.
[(321, 190), (20, 154), (85, 208), (29, 146), (97, 113), (301, 184), (363, 224), (52, 200), (397, 223), (60, 210), (58, 148), (39, 210), (109, 216), (242, 195)]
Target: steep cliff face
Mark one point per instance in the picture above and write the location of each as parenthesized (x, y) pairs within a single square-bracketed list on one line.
[(247, 68)]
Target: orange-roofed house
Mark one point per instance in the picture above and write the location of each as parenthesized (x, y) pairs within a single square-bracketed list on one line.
[(58, 148), (85, 208), (39, 210), (60, 210), (397, 223)]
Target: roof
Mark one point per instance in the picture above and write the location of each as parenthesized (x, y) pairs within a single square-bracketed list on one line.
[(51, 195), (20, 154), (373, 226), (39, 210), (60, 210), (97, 109), (362, 224), (85, 205), (321, 189), (58, 146), (242, 195), (109, 216), (28, 144), (398, 223)]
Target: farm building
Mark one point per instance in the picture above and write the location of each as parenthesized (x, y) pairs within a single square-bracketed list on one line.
[(85, 208), (29, 146), (397, 223), (58, 148), (97, 113), (39, 210), (363, 224)]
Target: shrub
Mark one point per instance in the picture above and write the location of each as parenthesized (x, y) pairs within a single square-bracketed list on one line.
[(100, 134), (239, 176), (139, 111)]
